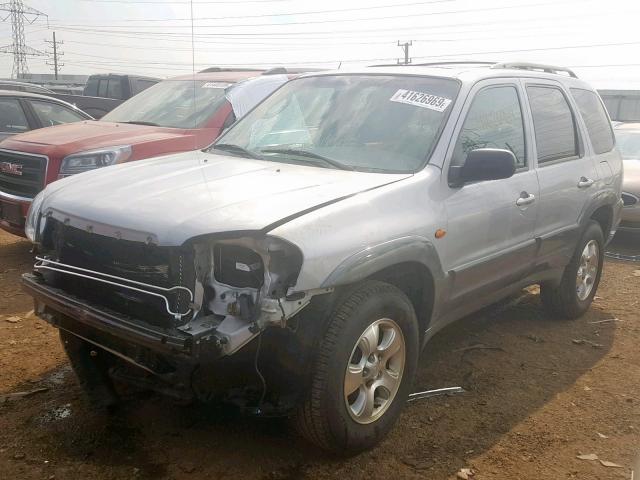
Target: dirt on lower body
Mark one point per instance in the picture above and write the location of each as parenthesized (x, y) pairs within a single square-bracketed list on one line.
[(538, 394)]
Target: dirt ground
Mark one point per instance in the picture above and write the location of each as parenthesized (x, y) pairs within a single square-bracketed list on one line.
[(546, 392)]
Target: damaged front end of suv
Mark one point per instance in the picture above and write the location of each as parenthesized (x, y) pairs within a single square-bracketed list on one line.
[(190, 321)]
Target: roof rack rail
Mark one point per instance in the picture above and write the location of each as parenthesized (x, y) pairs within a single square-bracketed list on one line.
[(452, 62), (535, 66), (229, 69), (435, 64), (289, 70)]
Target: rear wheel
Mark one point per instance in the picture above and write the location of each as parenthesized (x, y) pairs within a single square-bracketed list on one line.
[(573, 296), (363, 371)]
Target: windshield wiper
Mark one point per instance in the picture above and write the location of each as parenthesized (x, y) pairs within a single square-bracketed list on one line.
[(139, 122), (307, 153), (231, 148)]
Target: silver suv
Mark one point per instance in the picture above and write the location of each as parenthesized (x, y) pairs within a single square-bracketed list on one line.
[(299, 265)]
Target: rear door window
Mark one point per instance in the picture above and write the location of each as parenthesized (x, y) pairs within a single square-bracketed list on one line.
[(494, 120), (51, 114), (91, 88), (553, 123), (595, 118), (102, 87), (12, 117), (114, 88)]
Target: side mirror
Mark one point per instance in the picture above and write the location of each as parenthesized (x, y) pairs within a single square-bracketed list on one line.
[(483, 164)]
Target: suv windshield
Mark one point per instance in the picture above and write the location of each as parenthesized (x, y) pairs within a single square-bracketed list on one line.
[(628, 144), (172, 103), (355, 122)]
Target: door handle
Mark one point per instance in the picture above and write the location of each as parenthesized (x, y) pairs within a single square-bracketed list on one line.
[(585, 182), (525, 199)]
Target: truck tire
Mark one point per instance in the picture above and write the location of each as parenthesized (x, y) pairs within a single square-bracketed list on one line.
[(363, 370), (92, 371), (573, 296)]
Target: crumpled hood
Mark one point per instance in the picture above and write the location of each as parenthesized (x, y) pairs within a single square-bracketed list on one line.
[(174, 198)]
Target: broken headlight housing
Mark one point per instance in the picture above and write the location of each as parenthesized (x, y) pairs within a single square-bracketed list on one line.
[(252, 268)]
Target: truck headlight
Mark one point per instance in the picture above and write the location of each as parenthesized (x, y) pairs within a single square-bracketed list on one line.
[(92, 159), (32, 225)]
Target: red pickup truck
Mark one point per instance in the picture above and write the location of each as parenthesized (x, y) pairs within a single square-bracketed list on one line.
[(175, 115)]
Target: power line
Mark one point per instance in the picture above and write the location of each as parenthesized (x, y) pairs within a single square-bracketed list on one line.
[(312, 62), (314, 12), (542, 49), (286, 41), (171, 2), (339, 20), (172, 36)]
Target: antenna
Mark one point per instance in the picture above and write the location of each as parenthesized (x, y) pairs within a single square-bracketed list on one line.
[(19, 13)]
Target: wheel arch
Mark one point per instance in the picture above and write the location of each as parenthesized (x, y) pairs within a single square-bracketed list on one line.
[(602, 210), (409, 263)]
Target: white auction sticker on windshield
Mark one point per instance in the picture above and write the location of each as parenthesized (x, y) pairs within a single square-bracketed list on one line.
[(421, 99), (215, 85)]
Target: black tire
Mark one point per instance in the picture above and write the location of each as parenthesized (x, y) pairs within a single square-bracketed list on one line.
[(92, 371), (322, 417), (562, 300)]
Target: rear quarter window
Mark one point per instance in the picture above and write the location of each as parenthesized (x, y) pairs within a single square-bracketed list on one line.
[(595, 118), (553, 123)]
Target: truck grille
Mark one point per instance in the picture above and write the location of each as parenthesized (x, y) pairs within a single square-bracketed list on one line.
[(21, 174), (150, 264)]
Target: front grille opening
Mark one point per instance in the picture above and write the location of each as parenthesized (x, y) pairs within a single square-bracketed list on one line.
[(629, 200), (160, 266)]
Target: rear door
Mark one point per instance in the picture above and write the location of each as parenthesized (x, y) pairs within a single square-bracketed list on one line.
[(489, 242), (566, 169)]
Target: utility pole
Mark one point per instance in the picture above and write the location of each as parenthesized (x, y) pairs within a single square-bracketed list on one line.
[(405, 48), (54, 43), (19, 13)]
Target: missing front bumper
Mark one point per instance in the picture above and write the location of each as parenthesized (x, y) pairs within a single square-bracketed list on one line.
[(115, 331)]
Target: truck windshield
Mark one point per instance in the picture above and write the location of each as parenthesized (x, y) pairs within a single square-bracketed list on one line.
[(172, 103), (377, 123)]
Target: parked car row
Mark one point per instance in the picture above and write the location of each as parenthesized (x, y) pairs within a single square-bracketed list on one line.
[(299, 264), (175, 115), (21, 112)]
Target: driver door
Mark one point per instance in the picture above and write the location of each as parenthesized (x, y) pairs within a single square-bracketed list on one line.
[(490, 233)]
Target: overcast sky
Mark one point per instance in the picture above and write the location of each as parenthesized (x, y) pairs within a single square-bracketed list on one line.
[(599, 39)]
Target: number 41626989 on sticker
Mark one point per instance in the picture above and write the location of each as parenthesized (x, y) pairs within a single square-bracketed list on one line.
[(421, 99)]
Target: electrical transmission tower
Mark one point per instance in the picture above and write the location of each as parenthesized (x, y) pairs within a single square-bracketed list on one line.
[(19, 13), (56, 53)]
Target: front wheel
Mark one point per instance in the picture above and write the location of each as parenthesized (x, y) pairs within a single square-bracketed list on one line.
[(91, 366), (580, 279), (363, 370)]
